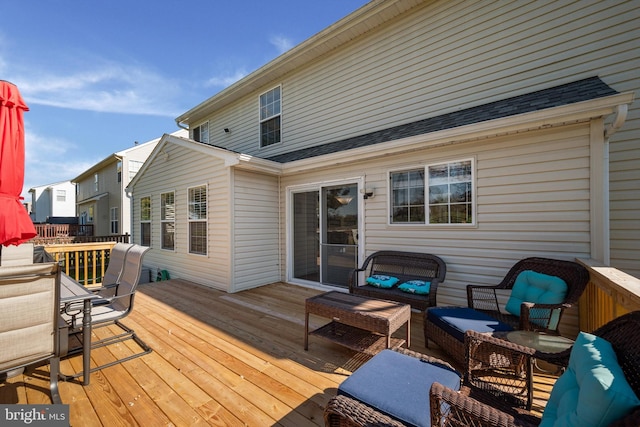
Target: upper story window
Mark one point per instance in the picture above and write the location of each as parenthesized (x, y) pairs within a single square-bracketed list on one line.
[(270, 110), (167, 220), (119, 171), (438, 194), (61, 195), (198, 220), (114, 220), (145, 221), (201, 133), (134, 167), (95, 182)]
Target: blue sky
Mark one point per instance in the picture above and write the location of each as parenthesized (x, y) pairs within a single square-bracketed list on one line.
[(99, 75)]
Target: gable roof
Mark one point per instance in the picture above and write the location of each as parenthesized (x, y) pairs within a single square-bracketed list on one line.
[(581, 90)]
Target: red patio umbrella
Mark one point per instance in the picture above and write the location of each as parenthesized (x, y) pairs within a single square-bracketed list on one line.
[(15, 225)]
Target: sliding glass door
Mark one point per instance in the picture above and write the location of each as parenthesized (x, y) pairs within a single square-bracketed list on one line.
[(325, 234)]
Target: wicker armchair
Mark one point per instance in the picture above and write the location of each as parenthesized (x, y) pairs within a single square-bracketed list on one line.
[(538, 317), (478, 404), (405, 266), (533, 316)]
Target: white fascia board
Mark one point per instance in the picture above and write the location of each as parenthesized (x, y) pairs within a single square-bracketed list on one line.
[(230, 158), (565, 114)]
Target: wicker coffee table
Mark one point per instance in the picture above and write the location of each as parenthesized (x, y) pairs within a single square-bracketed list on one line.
[(359, 323)]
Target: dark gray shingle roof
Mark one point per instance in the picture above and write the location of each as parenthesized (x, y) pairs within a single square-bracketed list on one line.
[(581, 90)]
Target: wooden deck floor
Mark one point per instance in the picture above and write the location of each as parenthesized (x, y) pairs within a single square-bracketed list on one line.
[(218, 359)]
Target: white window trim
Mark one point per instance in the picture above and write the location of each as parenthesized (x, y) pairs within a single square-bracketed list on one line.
[(205, 220), (113, 220), (425, 167), (200, 131), (260, 119), (146, 221), (164, 221)]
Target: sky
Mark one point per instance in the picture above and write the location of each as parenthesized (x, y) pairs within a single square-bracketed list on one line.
[(98, 76)]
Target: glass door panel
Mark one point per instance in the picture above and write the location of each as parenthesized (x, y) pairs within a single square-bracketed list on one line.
[(339, 235), (306, 243)]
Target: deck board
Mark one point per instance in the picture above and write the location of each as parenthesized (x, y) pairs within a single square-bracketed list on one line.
[(218, 359)]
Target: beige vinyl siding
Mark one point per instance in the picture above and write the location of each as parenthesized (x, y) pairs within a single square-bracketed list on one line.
[(256, 239), (449, 55), (532, 199), (188, 168), (441, 58)]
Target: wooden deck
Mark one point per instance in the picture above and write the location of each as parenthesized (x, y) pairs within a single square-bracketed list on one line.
[(218, 359)]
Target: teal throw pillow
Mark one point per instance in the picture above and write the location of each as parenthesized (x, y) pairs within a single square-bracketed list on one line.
[(419, 287), (593, 391), (382, 281)]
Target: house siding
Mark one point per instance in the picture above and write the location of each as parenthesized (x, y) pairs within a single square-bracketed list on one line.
[(532, 199), (181, 170), (255, 227), (445, 56)]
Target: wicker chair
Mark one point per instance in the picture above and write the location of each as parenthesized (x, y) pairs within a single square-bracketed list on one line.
[(405, 266), (478, 405), (484, 300)]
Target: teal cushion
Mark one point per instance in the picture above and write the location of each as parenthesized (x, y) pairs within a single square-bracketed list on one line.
[(382, 281), (593, 391), (419, 287), (538, 288)]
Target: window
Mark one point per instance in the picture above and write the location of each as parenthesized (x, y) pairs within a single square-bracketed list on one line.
[(95, 182), (437, 194), (145, 221), (167, 220), (134, 167), (201, 133), (61, 195), (114, 220), (198, 220), (270, 117), (119, 171), (407, 189)]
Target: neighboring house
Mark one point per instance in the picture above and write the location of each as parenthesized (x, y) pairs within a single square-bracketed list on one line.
[(482, 132), (101, 197), (53, 200)]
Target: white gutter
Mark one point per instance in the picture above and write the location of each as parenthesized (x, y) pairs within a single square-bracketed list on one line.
[(621, 117)]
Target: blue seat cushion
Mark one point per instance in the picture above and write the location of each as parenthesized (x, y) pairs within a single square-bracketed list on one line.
[(398, 386), (455, 321)]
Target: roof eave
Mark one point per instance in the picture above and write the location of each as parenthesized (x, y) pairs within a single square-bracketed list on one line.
[(98, 166), (371, 15), (565, 114)]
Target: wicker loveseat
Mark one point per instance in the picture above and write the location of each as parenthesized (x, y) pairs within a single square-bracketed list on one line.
[(404, 266)]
